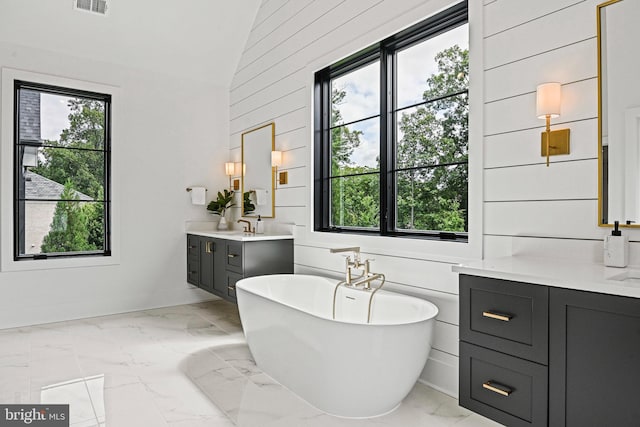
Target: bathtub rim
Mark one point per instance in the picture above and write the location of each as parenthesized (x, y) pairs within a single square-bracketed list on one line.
[(240, 286)]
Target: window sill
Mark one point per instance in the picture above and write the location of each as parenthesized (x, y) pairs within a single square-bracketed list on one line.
[(446, 251), (55, 263), (442, 237)]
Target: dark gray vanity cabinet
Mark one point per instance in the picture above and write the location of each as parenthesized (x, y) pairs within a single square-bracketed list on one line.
[(533, 355), (594, 359), (216, 265)]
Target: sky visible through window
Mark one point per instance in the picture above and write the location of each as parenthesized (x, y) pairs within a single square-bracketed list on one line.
[(415, 65), (54, 116)]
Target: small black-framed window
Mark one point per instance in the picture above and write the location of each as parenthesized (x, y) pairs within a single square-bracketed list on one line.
[(62, 163), (391, 134)]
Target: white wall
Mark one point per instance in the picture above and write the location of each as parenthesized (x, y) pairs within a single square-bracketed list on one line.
[(531, 209), (168, 133), (274, 82), (527, 208)]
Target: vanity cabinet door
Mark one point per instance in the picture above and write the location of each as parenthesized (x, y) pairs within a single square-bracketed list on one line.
[(268, 257), (206, 263), (594, 359), (219, 260)]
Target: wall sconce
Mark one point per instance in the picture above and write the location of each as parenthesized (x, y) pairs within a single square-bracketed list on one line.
[(276, 161), (230, 170), (548, 99)]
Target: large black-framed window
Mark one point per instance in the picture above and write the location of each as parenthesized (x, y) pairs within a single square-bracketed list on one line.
[(391, 134), (62, 163)]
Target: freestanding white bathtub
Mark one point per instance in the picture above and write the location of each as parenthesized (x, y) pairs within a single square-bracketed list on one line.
[(344, 367)]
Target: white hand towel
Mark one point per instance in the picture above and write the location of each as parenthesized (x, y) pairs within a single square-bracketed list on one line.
[(198, 195), (261, 196)]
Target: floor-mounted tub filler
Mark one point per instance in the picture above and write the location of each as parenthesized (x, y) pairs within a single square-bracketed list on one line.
[(322, 340)]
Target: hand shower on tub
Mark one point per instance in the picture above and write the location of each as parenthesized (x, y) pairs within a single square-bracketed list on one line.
[(363, 281)]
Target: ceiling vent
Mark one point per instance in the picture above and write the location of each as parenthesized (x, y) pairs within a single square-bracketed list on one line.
[(94, 6)]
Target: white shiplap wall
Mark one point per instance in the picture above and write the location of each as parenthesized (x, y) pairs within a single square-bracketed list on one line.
[(527, 208)]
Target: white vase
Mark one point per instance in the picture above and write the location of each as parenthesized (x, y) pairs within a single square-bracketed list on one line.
[(223, 224)]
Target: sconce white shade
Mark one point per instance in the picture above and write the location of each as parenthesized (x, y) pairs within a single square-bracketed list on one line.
[(229, 168), (548, 99), (276, 158)]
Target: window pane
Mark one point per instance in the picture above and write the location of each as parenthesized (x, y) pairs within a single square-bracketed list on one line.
[(435, 67), (436, 133), (356, 95), (61, 120), (73, 122), (355, 201), (82, 169), (355, 148), (53, 227), (432, 199)]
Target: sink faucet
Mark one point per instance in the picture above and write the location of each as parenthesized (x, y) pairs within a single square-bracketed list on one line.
[(350, 264), (247, 228)]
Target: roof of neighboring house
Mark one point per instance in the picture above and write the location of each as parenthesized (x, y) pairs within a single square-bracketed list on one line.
[(29, 115), (39, 187)]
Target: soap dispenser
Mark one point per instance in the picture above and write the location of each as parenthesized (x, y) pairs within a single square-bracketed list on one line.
[(616, 248), (259, 226)]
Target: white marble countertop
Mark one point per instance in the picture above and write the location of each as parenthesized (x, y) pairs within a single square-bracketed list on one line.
[(240, 235), (562, 273)]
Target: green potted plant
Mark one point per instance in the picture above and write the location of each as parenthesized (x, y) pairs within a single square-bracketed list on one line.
[(248, 206), (220, 206)]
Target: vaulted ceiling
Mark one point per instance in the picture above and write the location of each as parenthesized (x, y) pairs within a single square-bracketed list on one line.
[(195, 39)]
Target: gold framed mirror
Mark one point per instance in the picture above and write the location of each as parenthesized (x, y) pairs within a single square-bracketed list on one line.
[(258, 181), (618, 113)]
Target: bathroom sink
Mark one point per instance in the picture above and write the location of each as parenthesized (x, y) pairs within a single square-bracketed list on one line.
[(627, 276)]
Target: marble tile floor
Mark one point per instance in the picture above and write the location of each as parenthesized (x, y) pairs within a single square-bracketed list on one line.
[(182, 366)]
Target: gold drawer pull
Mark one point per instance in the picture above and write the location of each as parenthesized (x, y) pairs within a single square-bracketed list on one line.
[(232, 255), (497, 316), (208, 247), (497, 388), (231, 288)]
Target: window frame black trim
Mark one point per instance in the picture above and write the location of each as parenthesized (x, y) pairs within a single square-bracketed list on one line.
[(106, 201), (384, 51)]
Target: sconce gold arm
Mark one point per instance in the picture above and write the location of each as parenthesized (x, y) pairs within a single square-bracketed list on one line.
[(548, 135)]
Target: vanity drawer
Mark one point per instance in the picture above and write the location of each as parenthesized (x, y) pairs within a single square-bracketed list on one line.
[(507, 389), (193, 273), (234, 256), (193, 247), (232, 279), (510, 317)]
